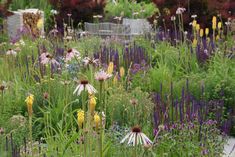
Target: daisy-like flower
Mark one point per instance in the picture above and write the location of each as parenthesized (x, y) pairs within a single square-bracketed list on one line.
[(91, 61), (11, 52), (102, 75), (47, 58), (84, 85), (136, 137), (72, 53), (180, 10)]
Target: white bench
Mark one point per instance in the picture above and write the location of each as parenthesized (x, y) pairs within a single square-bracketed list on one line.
[(107, 29)]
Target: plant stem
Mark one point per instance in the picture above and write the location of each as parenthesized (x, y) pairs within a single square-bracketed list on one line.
[(31, 134)]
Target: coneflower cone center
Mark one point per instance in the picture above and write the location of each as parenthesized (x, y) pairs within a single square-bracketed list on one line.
[(70, 50), (84, 82), (136, 129)]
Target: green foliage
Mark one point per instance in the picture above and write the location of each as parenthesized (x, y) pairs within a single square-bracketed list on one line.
[(126, 9)]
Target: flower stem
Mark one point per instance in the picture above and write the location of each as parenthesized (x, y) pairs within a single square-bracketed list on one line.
[(31, 134)]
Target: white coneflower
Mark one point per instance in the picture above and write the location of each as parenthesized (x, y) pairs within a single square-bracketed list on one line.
[(102, 75), (92, 61), (84, 86), (11, 52), (136, 137), (72, 53)]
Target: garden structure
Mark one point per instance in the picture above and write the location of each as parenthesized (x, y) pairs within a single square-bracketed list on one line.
[(117, 78)]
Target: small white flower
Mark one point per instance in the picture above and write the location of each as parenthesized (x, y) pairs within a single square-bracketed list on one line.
[(119, 18), (173, 18), (11, 52), (227, 23), (136, 137), (54, 12), (84, 86), (135, 13), (180, 10), (194, 16), (97, 16)]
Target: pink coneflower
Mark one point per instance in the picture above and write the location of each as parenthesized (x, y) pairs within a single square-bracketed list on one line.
[(91, 61), (102, 75), (47, 58), (11, 52), (84, 85), (136, 137), (72, 53)]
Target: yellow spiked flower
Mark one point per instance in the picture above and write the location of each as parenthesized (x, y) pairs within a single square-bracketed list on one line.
[(122, 71), (207, 31), (40, 23), (115, 79), (29, 101), (217, 37), (194, 42), (219, 25), (201, 32), (214, 23), (92, 103), (80, 117), (197, 27), (194, 23), (110, 68), (97, 120)]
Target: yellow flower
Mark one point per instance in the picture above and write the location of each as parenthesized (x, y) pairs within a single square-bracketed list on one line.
[(80, 117), (214, 22), (207, 31), (40, 23), (92, 103), (122, 71), (217, 37), (194, 42), (110, 68), (97, 120), (197, 27), (194, 23), (115, 79), (219, 25), (29, 101), (201, 32)]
